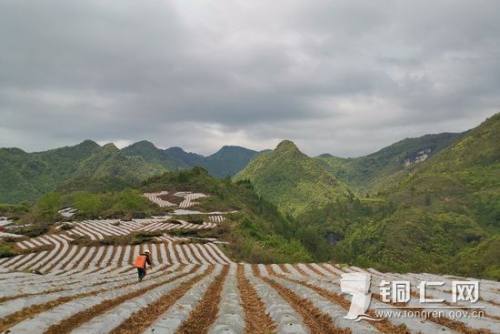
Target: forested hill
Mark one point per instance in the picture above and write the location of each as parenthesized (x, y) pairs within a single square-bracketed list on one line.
[(89, 166), (292, 180)]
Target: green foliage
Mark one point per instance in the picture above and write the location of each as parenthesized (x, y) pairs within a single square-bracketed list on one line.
[(374, 170), (125, 204), (447, 216), (34, 230), (14, 211), (87, 166), (6, 250), (47, 206), (292, 181), (134, 238), (128, 203), (483, 258), (226, 162)]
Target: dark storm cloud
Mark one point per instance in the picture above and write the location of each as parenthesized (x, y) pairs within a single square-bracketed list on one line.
[(345, 77)]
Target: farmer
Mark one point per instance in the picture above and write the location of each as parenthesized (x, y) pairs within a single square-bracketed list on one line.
[(140, 263)]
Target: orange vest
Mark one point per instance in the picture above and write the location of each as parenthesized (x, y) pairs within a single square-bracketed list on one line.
[(140, 261)]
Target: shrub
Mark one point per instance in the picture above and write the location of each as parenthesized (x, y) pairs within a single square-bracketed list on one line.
[(6, 251)]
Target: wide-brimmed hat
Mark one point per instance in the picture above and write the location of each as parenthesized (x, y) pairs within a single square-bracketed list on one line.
[(147, 251)]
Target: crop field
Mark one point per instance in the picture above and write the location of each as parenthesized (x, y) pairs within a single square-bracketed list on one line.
[(195, 288)]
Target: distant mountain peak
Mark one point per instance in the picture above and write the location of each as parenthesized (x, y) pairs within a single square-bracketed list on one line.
[(110, 147), (144, 143), (175, 149), (88, 143), (287, 145)]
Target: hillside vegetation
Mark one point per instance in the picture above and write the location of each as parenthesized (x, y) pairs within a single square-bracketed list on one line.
[(441, 214), (374, 171), (446, 213), (257, 232), (226, 162), (426, 204), (291, 180), (88, 166)]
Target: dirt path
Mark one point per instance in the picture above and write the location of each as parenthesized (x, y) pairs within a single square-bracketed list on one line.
[(204, 314), (142, 319), (317, 321), (256, 319)]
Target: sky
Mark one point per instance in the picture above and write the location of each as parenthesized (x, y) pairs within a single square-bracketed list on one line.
[(340, 77)]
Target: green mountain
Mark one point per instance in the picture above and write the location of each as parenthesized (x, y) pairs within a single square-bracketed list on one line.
[(26, 176), (110, 169), (184, 159), (292, 180), (443, 216), (150, 153), (373, 171), (226, 162)]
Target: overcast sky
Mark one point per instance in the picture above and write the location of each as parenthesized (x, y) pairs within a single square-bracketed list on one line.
[(344, 77)]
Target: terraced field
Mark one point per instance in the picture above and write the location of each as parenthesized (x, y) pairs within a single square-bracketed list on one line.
[(196, 288)]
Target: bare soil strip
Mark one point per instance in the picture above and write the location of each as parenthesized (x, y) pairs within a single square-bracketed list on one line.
[(452, 324), (312, 268), (317, 321), (106, 250), (67, 325), (5, 299), (142, 319), (205, 313), (458, 326), (30, 311), (302, 272), (113, 255), (283, 268), (256, 319), (122, 254), (385, 326)]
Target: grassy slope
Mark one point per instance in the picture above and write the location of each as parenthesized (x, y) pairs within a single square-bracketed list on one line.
[(293, 181)]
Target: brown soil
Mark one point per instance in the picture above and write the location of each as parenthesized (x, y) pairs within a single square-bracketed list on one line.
[(68, 324), (30, 311), (205, 313), (66, 261), (284, 268), (35, 249), (312, 268), (452, 324), (385, 326), (122, 253), (142, 319), (170, 197), (256, 319), (301, 271), (5, 299), (317, 321)]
